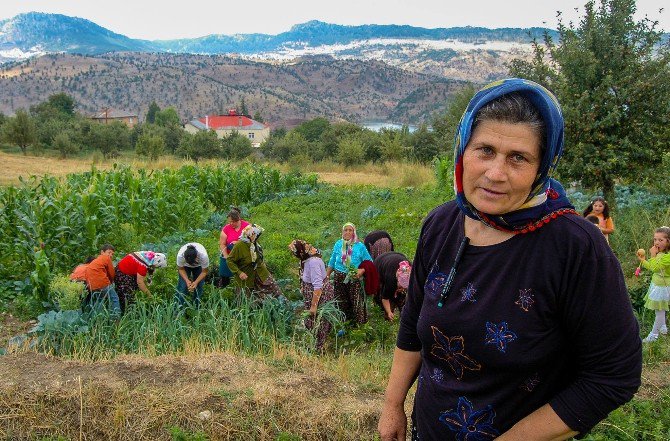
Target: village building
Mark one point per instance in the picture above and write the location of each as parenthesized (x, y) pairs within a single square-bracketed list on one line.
[(224, 125), (108, 116)]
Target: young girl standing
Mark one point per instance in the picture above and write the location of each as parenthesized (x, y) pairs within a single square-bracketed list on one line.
[(601, 209), (659, 290)]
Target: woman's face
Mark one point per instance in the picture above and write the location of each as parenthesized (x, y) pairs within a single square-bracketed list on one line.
[(500, 164), (661, 242), (347, 233), (234, 223), (598, 207)]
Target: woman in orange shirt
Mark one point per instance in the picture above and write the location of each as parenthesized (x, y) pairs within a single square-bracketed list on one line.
[(599, 208)]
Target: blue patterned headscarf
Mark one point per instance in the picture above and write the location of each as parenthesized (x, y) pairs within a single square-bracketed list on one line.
[(547, 199)]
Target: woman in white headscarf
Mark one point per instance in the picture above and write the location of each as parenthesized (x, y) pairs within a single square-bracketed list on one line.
[(131, 273), (345, 260), (246, 262)]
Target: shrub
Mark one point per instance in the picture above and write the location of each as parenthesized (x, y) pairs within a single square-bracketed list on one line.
[(66, 293)]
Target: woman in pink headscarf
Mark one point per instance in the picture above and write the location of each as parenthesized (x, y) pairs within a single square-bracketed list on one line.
[(394, 271)]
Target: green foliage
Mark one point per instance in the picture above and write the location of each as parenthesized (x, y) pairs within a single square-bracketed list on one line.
[(151, 113), (65, 293), (59, 106), (109, 138), (64, 145), (151, 146), (291, 145), (203, 145), (167, 117), (424, 146), (313, 129), (350, 151), (179, 434), (393, 147), (20, 130), (610, 74), (236, 146)]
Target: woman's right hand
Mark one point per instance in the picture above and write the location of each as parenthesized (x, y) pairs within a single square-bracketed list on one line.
[(243, 276), (392, 423)]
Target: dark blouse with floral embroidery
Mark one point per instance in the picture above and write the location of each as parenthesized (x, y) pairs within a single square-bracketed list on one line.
[(540, 318)]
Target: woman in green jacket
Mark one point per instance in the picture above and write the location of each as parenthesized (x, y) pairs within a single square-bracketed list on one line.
[(246, 262)]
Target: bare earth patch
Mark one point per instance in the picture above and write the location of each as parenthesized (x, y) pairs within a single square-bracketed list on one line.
[(138, 398)]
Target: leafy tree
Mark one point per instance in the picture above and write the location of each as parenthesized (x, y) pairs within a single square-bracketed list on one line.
[(610, 74), (268, 146), (167, 117), (391, 145), (151, 113), (20, 130), (351, 151), (236, 146), (313, 129), (109, 138), (445, 125), (291, 145), (57, 106), (424, 147), (64, 145), (151, 146), (330, 138), (204, 144), (3, 119)]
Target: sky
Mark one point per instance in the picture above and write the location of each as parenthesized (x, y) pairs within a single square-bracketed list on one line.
[(165, 19)]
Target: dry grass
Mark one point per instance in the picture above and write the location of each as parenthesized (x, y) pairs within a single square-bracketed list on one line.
[(392, 174), (137, 398)]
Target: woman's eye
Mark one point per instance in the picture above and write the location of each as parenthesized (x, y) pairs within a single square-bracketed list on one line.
[(518, 158), (486, 151)]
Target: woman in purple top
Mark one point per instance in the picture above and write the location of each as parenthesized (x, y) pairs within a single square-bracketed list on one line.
[(503, 326), (314, 286)]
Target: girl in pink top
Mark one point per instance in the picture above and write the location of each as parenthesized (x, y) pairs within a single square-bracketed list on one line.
[(230, 233)]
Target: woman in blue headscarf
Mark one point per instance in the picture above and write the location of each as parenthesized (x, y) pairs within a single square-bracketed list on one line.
[(503, 325)]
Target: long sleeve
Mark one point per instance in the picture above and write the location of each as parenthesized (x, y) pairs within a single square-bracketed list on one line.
[(608, 359), (335, 254), (109, 267), (232, 260), (661, 261)]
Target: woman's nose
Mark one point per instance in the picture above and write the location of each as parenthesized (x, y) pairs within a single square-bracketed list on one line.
[(496, 170)]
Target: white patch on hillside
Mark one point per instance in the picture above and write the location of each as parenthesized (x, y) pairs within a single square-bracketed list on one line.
[(16, 54), (377, 47)]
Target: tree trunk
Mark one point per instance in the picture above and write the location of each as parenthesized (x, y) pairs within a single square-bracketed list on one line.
[(608, 193), (24, 149)]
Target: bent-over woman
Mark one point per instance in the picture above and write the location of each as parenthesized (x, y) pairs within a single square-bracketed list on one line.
[(315, 287), (394, 272), (378, 242), (131, 273), (503, 326), (246, 262), (345, 260)]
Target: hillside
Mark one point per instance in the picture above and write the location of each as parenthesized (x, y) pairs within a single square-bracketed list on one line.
[(352, 90)]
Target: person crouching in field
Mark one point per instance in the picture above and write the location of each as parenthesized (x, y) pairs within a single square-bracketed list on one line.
[(100, 277), (246, 262), (131, 272), (316, 289), (79, 272), (394, 272), (193, 264)]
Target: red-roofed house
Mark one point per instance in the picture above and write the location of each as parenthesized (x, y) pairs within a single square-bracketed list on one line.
[(224, 125)]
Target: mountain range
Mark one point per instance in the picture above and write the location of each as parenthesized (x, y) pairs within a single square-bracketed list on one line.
[(356, 73)]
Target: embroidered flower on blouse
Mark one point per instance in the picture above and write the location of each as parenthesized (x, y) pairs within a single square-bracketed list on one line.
[(470, 424), (530, 382), (499, 335), (468, 293), (434, 283), (525, 299), (450, 349), (437, 375)]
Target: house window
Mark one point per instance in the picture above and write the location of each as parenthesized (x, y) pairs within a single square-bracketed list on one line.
[(251, 135)]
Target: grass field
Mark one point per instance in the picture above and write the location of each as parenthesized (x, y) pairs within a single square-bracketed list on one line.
[(201, 378)]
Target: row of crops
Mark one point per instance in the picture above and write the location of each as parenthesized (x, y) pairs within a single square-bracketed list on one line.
[(51, 224)]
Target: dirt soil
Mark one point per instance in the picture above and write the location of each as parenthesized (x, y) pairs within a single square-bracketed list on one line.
[(221, 395), (11, 326)]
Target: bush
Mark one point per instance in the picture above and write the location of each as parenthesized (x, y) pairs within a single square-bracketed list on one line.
[(351, 151), (66, 293)]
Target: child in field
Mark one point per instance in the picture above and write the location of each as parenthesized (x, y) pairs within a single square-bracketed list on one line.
[(659, 290), (601, 209)]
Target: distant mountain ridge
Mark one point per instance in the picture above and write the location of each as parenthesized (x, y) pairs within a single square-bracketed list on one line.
[(39, 33)]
